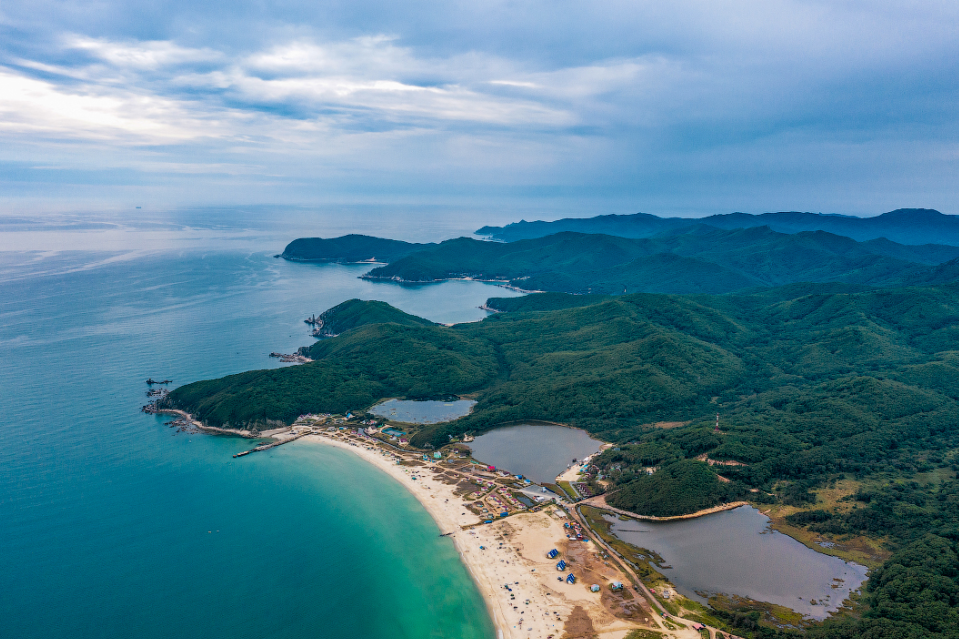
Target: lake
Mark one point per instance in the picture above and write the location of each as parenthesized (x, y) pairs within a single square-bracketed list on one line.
[(736, 553), (538, 452), (423, 412)]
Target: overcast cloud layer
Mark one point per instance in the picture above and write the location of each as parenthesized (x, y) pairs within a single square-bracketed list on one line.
[(687, 107)]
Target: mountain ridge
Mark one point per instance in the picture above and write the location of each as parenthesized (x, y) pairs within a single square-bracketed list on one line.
[(904, 226)]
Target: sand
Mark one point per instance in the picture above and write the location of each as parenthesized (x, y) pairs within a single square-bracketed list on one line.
[(513, 554)]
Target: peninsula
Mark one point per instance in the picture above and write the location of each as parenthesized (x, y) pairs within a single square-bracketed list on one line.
[(832, 404)]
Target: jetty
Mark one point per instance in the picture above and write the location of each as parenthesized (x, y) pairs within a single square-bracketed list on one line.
[(274, 444)]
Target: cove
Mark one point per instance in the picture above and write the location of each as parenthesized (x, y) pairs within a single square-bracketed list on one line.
[(736, 553), (116, 526)]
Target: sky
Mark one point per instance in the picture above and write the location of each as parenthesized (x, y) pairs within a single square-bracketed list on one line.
[(690, 107)]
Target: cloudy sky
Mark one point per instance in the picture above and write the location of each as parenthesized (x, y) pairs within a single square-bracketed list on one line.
[(683, 107)]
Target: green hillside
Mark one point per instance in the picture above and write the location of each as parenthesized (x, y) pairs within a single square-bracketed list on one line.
[(538, 302), (905, 226), (678, 488), (814, 384), (701, 260), (355, 313), (348, 249)]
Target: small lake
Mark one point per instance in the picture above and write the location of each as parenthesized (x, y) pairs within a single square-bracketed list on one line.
[(736, 553), (537, 452), (411, 411)]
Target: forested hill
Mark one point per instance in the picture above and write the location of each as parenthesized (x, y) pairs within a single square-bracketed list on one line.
[(355, 313), (814, 384), (702, 260), (808, 385), (905, 226), (348, 249)]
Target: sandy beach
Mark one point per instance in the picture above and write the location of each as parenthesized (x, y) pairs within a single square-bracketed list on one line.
[(507, 560)]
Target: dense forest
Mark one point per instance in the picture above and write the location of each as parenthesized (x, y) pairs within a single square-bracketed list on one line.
[(692, 260), (354, 313), (348, 249), (677, 488), (813, 383), (904, 226)]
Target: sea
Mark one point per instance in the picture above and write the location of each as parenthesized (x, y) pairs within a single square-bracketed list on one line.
[(113, 524)]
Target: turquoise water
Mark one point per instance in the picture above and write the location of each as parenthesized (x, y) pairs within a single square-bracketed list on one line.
[(114, 526)]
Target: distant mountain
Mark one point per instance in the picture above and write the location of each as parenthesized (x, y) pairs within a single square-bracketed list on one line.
[(904, 226), (704, 260), (348, 249), (636, 225)]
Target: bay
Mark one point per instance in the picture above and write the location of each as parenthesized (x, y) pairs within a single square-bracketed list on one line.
[(116, 526)]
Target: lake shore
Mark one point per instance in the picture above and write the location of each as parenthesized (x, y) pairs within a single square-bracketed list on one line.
[(600, 502), (511, 551)]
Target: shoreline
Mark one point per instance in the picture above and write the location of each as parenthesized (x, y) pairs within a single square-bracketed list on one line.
[(399, 280), (216, 430), (599, 501), (508, 551)]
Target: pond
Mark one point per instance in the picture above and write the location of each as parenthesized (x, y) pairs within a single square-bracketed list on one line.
[(411, 411), (736, 553), (537, 452)]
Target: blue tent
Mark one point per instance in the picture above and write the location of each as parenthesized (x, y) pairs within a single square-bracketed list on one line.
[(561, 565), (571, 579), (552, 554)]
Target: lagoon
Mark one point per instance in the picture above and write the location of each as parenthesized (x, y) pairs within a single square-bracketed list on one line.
[(736, 553), (423, 411), (539, 452)]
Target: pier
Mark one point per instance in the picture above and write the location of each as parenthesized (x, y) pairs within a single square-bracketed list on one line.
[(274, 444)]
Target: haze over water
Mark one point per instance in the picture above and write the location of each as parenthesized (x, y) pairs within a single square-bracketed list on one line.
[(114, 526)]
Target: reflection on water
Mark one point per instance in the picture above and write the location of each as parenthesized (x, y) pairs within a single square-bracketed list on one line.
[(537, 452), (736, 553), (411, 411)]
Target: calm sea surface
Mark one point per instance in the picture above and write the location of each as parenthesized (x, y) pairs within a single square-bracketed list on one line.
[(114, 526)]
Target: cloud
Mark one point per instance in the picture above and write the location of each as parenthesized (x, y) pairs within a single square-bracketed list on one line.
[(639, 102), (140, 55)]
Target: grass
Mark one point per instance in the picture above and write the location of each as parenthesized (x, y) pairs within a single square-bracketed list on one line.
[(642, 633), (569, 490), (770, 614)]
